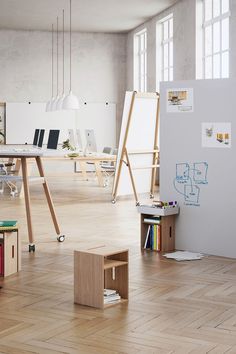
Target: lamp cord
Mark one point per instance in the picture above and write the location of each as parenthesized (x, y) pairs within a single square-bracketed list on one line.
[(57, 56), (70, 45), (52, 62), (63, 70)]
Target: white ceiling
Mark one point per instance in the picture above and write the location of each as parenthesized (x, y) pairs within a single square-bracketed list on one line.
[(87, 15)]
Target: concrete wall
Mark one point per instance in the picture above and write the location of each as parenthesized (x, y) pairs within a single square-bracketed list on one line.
[(184, 14), (98, 66)]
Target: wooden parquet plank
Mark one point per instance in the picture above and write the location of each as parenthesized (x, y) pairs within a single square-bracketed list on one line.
[(174, 307)]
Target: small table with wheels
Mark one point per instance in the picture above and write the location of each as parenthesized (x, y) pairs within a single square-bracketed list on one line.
[(23, 155)]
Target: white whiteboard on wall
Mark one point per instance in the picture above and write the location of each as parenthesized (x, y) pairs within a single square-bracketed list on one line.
[(140, 137), (101, 118), (201, 177), (23, 118)]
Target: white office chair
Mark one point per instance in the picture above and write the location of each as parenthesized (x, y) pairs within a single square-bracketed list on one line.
[(106, 150), (108, 169), (7, 178)]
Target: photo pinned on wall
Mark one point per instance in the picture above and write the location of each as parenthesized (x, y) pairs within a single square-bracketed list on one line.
[(216, 135), (179, 100)]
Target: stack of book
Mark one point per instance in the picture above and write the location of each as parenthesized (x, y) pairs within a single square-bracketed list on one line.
[(111, 296), (153, 236)]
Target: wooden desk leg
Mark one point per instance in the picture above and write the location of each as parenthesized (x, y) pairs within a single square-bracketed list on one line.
[(27, 199), (83, 169), (98, 173), (48, 195)]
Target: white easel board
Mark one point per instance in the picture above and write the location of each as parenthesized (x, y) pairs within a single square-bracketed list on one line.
[(140, 137), (197, 164)]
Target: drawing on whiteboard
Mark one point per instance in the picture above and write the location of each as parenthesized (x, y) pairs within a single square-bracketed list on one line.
[(180, 100), (188, 179), (216, 135)]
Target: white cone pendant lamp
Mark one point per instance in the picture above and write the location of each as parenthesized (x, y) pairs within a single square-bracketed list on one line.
[(62, 97), (54, 102), (70, 101), (49, 103)]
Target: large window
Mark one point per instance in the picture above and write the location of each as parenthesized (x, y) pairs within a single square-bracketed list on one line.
[(140, 61), (215, 39), (166, 27)]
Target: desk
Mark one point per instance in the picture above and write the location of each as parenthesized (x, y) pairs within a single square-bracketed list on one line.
[(96, 160), (82, 160), (23, 156)]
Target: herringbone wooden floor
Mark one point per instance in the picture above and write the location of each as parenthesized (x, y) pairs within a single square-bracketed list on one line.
[(187, 307)]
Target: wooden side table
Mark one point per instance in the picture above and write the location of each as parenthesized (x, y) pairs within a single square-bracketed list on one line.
[(165, 218), (97, 269), (10, 257)]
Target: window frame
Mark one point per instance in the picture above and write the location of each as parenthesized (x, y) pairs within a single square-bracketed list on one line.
[(167, 41), (210, 23), (140, 60)]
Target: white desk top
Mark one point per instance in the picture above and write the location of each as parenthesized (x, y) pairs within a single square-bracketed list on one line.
[(15, 152)]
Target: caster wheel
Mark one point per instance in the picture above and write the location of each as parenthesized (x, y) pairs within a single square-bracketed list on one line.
[(137, 203), (151, 196), (61, 238), (113, 201), (31, 248)]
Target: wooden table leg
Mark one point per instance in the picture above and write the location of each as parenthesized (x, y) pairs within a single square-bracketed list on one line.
[(98, 173), (27, 199), (83, 169), (48, 195)]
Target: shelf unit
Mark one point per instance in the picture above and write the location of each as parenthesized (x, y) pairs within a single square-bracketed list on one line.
[(10, 251), (96, 269), (166, 220)]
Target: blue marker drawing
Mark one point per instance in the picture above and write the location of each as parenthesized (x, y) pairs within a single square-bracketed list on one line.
[(191, 193), (200, 172), (187, 180), (182, 171)]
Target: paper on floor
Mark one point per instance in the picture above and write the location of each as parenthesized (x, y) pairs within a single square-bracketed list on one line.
[(184, 256)]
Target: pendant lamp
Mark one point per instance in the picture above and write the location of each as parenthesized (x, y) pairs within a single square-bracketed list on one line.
[(54, 102), (70, 101), (49, 103), (61, 99)]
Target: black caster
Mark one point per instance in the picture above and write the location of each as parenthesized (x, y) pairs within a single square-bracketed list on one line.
[(113, 201), (31, 248), (151, 196), (137, 204), (61, 238)]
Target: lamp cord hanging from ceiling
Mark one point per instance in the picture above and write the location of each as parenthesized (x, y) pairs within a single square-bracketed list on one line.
[(70, 101), (49, 103), (61, 99)]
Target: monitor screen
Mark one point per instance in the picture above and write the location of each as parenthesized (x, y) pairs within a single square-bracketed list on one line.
[(36, 137), (41, 136), (53, 139), (90, 139)]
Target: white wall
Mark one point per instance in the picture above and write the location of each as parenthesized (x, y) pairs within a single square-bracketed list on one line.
[(184, 14), (98, 66)]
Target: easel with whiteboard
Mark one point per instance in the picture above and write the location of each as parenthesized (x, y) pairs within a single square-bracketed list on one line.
[(138, 146)]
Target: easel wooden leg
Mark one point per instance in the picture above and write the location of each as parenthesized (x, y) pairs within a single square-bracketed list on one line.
[(27, 199), (132, 178), (117, 179), (48, 196)]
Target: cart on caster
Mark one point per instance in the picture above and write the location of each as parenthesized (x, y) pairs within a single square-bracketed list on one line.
[(61, 238), (31, 248)]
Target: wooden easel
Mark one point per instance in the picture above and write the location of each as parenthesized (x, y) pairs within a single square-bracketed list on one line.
[(125, 155)]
